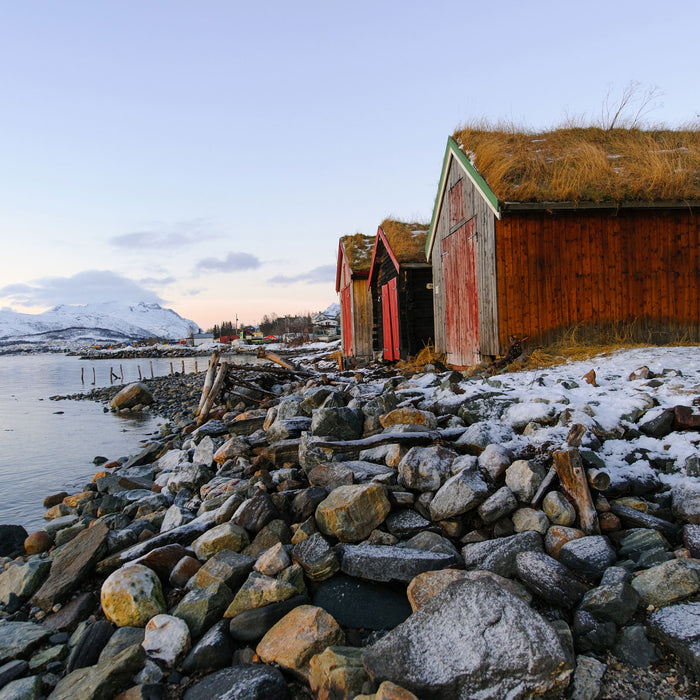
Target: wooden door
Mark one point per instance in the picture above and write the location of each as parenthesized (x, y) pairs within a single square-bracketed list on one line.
[(461, 296), (346, 319), (390, 320)]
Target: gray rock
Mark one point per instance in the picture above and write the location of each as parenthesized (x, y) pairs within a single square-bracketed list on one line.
[(498, 505), (483, 433), (202, 607), (12, 540), (174, 517), (523, 479), (678, 628), (245, 682), (22, 580), (386, 563), (459, 494), (549, 579), (191, 476), (91, 643), (588, 678), (11, 670), (426, 468), (71, 564), (213, 651), (362, 604), (616, 602), (316, 557), (342, 423), (123, 638), (633, 647), (256, 512), (615, 574), (432, 542), (558, 509), (667, 583), (591, 634), (469, 631), (406, 522), (226, 566), (659, 426), (286, 428), (204, 452), (643, 546), (686, 501), (18, 639), (105, 680), (691, 539), (29, 688), (588, 556), (494, 460), (530, 519), (499, 555)]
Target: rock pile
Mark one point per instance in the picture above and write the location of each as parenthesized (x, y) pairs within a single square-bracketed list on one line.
[(364, 538)]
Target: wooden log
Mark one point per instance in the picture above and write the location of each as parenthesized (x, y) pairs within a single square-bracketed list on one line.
[(150, 362), (273, 357), (216, 388), (138, 367), (208, 380), (597, 479), (546, 483), (82, 375), (572, 477), (636, 518), (422, 438)]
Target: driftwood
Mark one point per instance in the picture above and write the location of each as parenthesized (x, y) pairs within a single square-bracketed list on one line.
[(216, 388), (513, 351), (638, 519), (423, 438), (273, 357), (208, 380), (597, 479), (572, 477), (239, 381)]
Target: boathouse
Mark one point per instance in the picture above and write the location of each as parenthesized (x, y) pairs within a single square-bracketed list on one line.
[(354, 259), (400, 282), (535, 233)]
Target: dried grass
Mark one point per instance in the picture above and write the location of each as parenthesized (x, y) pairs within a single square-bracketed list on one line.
[(585, 164), (427, 356), (582, 342), (358, 250), (407, 240)]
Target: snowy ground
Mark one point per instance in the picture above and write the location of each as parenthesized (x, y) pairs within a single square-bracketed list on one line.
[(619, 403)]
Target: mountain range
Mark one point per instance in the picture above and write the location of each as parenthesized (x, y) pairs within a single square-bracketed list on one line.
[(108, 321)]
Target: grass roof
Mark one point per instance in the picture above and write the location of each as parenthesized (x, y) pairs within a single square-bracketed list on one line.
[(358, 250), (585, 164), (407, 240)]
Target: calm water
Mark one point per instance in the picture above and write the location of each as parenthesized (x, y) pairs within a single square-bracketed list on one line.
[(48, 446)]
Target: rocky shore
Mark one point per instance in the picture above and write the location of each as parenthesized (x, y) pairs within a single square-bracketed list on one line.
[(363, 535)]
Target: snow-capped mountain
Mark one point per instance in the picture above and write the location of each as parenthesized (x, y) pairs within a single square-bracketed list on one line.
[(113, 321)]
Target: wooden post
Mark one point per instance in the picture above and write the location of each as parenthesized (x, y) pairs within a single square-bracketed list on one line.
[(111, 373), (183, 366), (215, 389), (273, 357), (93, 376), (208, 381), (195, 367), (82, 375), (121, 373), (150, 362), (138, 367), (171, 369)]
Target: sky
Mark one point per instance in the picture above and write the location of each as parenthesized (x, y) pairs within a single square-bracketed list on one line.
[(208, 155)]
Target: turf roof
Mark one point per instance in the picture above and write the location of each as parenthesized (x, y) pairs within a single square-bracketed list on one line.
[(585, 164), (358, 251), (407, 240)]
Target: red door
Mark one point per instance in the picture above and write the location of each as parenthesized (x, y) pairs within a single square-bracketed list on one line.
[(390, 320), (346, 320), (461, 296)]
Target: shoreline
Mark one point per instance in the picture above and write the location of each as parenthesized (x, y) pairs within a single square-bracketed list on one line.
[(264, 467)]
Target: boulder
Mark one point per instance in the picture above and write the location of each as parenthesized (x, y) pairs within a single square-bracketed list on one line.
[(131, 596), (132, 395), (460, 645), (615, 602), (213, 651), (19, 639), (498, 505), (337, 672), (558, 509), (21, 580), (166, 639), (588, 556), (342, 423), (257, 591), (249, 681), (666, 583), (220, 537), (499, 555), (677, 627), (523, 479), (686, 501), (316, 557), (549, 579), (12, 539), (459, 494), (426, 468), (202, 607), (351, 512), (297, 637)]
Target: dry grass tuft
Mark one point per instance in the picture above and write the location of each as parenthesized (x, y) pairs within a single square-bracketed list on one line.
[(582, 342), (427, 356), (585, 164), (407, 240), (358, 250)]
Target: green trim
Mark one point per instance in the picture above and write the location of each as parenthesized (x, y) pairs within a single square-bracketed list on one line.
[(486, 192)]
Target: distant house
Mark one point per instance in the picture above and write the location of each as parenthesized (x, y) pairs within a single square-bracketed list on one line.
[(535, 233), (354, 259), (324, 325), (201, 338), (400, 282)]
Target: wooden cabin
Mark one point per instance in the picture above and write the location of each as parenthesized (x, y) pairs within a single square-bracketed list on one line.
[(400, 282), (532, 234), (354, 258)]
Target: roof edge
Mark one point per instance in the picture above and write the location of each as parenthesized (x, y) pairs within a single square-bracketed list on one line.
[(452, 150)]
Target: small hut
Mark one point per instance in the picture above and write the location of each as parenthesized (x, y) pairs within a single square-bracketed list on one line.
[(400, 281), (532, 234), (354, 258)]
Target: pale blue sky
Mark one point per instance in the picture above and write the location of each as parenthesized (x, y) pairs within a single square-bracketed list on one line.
[(209, 154)]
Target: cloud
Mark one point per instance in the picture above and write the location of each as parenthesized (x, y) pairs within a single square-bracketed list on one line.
[(180, 235), (233, 262), (157, 281), (324, 274), (82, 288)]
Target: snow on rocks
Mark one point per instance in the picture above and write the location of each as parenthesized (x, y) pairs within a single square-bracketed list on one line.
[(373, 496)]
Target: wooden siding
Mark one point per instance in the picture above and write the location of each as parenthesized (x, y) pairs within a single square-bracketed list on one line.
[(361, 305), (474, 207), (558, 269)]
